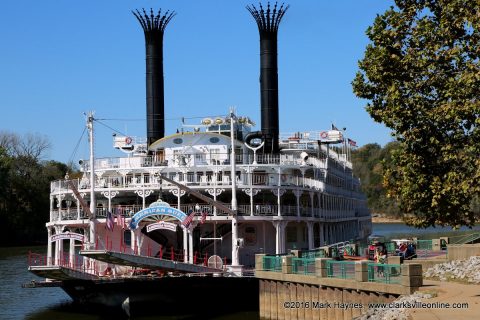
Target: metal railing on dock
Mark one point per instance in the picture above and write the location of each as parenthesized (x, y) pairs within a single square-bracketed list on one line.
[(392, 278), (311, 254), (341, 269), (272, 263), (386, 273), (468, 238), (424, 244), (303, 265)]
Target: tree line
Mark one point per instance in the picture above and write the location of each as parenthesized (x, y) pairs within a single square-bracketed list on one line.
[(25, 188), (369, 164)]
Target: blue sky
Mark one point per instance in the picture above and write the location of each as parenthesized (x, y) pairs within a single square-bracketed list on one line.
[(62, 58)]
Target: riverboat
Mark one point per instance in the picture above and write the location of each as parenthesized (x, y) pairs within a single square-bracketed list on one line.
[(194, 207)]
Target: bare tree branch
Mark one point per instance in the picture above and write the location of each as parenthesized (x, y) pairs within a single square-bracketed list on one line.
[(30, 145), (34, 146)]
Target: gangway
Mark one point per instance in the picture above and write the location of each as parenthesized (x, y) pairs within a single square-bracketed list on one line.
[(61, 273), (132, 260)]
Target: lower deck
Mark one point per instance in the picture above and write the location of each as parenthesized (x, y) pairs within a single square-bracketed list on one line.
[(198, 243)]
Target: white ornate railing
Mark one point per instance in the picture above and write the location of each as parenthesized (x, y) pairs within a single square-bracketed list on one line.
[(241, 159)]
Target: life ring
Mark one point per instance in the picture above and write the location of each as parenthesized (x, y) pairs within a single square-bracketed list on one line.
[(324, 134), (128, 140)]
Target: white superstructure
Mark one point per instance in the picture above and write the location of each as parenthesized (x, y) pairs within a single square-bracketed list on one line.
[(302, 198)]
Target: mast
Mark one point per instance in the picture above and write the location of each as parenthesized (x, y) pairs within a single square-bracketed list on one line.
[(233, 177), (93, 215)]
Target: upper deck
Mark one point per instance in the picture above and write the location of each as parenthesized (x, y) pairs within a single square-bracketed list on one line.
[(284, 170), (310, 171)]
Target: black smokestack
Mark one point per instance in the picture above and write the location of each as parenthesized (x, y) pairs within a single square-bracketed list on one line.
[(268, 21), (153, 27)]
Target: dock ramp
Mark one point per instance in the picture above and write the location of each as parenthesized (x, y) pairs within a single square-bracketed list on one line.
[(60, 273), (132, 260)]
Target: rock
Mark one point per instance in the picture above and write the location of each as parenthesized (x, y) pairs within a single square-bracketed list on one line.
[(468, 270)]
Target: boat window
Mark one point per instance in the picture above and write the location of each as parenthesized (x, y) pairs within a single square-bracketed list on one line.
[(215, 155), (291, 234), (200, 158), (127, 237), (250, 235)]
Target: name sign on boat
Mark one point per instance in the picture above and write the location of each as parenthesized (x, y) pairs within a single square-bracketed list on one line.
[(157, 210), (163, 225), (68, 235)]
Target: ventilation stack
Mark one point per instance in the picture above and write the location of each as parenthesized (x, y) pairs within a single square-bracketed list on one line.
[(268, 21), (154, 26)]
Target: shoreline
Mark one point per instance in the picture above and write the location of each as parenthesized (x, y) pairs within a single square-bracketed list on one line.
[(386, 220)]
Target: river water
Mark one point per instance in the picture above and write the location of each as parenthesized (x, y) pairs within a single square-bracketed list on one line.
[(400, 230), (53, 303)]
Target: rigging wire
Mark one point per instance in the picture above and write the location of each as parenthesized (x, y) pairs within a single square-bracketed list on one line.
[(158, 118), (75, 150), (99, 120), (106, 125)]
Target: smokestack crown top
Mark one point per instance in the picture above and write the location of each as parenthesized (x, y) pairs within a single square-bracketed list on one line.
[(152, 22), (268, 20)]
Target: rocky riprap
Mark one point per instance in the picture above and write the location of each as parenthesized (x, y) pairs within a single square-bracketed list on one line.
[(398, 313), (466, 270)]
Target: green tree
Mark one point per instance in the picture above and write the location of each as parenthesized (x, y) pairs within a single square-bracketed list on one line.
[(369, 163), (421, 76), (25, 187), (5, 163)]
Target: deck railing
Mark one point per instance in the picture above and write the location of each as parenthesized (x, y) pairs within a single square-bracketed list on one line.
[(467, 238), (303, 265), (259, 209), (241, 160), (386, 273), (341, 269), (424, 244), (146, 181), (128, 211), (357, 275), (272, 263), (218, 159), (79, 263), (312, 254), (75, 262)]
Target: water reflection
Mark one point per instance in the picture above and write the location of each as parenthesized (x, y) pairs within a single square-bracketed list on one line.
[(53, 303), (72, 311)]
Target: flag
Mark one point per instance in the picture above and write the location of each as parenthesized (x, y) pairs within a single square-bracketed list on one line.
[(120, 220), (351, 142), (204, 217), (188, 220), (334, 128), (109, 221)]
